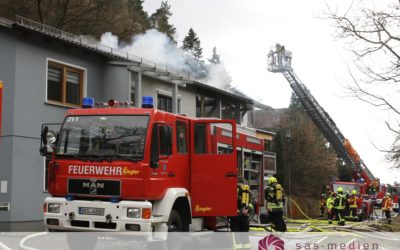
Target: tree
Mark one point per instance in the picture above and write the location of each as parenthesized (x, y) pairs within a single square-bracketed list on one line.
[(303, 154), (160, 20), (192, 43), (372, 34), (125, 18), (215, 58)]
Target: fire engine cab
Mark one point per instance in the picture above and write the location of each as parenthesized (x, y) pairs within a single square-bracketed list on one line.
[(118, 168)]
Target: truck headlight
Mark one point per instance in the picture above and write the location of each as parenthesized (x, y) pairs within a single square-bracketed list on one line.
[(53, 208), (133, 213)]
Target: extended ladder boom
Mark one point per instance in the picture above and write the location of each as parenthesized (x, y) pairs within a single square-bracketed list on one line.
[(280, 61)]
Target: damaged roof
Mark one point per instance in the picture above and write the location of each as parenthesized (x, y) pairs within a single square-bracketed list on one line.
[(151, 69)]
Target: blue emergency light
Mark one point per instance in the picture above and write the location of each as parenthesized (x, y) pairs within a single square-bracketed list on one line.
[(114, 199), (147, 102), (88, 102), (69, 197)]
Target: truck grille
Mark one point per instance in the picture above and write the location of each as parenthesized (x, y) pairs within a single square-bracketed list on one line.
[(94, 187), (79, 223)]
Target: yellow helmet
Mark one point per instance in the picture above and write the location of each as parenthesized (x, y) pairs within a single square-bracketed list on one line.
[(272, 180), (340, 190), (354, 191)]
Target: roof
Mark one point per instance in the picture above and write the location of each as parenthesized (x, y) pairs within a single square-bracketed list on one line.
[(149, 68)]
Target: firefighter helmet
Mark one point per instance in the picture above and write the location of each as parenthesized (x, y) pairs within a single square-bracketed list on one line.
[(340, 190), (387, 194), (354, 191), (272, 180)]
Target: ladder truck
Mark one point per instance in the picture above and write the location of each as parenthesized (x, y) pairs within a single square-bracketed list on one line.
[(279, 61)]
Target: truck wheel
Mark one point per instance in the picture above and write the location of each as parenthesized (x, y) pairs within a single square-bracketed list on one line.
[(175, 223)]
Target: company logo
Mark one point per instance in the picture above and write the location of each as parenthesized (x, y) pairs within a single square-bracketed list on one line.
[(200, 209), (127, 171), (271, 242), (101, 170), (93, 186)]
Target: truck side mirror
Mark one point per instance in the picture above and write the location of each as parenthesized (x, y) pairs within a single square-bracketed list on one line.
[(49, 138), (43, 135)]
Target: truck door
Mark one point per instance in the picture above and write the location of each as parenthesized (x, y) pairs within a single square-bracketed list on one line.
[(213, 168)]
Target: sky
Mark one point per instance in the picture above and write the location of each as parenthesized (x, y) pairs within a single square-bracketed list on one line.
[(244, 31)]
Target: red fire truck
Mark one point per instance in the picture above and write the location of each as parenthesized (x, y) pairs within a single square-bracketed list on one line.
[(117, 168)]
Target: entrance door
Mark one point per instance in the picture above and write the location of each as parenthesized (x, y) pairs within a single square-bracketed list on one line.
[(213, 168)]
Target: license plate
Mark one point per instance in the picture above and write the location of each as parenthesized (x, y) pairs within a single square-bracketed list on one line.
[(91, 211)]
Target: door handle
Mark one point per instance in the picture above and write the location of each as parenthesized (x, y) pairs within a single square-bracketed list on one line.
[(230, 174), (171, 174)]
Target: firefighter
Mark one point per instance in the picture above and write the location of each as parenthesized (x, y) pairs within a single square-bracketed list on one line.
[(330, 206), (386, 207), (353, 205), (340, 204), (374, 187), (274, 197), (322, 205), (240, 224)]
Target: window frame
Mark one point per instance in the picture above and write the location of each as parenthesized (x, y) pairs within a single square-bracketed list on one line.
[(66, 67), (167, 94)]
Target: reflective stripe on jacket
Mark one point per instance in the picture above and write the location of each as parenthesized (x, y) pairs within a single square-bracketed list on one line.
[(340, 202)]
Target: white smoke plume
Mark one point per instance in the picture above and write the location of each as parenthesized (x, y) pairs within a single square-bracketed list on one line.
[(158, 48)]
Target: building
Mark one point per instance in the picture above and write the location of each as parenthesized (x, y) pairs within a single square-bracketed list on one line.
[(45, 71)]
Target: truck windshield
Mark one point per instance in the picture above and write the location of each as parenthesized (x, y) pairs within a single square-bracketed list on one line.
[(102, 136), (347, 187)]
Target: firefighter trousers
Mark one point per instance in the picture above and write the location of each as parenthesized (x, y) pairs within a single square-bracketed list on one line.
[(331, 214), (388, 216), (277, 222), (353, 213), (239, 223), (340, 216)]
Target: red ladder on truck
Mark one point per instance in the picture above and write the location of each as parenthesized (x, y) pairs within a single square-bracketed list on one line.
[(279, 61)]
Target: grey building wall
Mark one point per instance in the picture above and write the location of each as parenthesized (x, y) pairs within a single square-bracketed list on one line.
[(7, 75), (116, 83), (24, 76), (151, 87)]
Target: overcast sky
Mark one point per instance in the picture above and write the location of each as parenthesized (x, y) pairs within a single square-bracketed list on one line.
[(243, 32)]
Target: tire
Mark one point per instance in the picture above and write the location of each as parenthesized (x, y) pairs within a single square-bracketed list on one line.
[(175, 223)]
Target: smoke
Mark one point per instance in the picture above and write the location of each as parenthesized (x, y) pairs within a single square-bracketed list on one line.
[(156, 47)]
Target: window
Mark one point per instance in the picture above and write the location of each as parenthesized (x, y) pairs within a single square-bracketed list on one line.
[(164, 103), (64, 84), (200, 139), (165, 140), (181, 137)]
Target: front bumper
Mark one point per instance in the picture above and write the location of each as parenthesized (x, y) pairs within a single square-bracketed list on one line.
[(114, 218)]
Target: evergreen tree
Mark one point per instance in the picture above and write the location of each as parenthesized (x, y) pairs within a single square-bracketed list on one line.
[(311, 163), (160, 20), (124, 18), (192, 43), (215, 58)]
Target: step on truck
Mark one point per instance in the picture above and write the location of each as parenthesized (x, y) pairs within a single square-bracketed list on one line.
[(118, 168)]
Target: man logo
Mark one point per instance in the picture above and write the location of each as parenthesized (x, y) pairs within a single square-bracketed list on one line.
[(93, 186), (271, 242)]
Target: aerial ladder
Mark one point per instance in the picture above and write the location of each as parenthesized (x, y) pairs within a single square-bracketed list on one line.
[(279, 61)]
